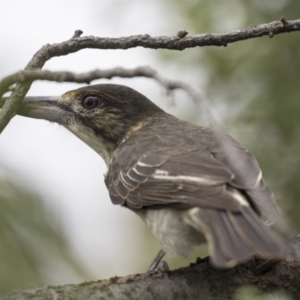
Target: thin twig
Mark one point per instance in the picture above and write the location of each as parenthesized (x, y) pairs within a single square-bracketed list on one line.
[(77, 43), (65, 76)]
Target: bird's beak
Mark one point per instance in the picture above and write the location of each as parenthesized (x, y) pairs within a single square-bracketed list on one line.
[(40, 108)]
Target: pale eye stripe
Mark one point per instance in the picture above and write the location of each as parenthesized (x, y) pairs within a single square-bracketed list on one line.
[(192, 179)]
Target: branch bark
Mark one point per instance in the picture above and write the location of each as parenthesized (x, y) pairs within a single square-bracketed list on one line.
[(198, 281), (178, 42)]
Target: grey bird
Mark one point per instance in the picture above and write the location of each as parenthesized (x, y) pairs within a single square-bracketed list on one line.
[(171, 173)]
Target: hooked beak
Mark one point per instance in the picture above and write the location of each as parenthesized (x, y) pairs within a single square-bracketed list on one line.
[(45, 108)]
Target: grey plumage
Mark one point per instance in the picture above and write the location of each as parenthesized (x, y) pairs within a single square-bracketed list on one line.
[(174, 165), (173, 174)]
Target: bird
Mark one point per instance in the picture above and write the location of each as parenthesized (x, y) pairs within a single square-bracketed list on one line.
[(173, 174)]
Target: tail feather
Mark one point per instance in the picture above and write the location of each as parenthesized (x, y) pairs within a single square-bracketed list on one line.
[(226, 247), (233, 245), (258, 236), (235, 237)]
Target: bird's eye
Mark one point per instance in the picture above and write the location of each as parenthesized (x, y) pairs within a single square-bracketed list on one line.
[(90, 102)]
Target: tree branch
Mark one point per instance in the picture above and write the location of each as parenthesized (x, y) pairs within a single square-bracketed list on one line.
[(178, 42), (198, 281)]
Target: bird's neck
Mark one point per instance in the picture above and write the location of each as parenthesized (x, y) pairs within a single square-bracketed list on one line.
[(96, 142), (104, 141)]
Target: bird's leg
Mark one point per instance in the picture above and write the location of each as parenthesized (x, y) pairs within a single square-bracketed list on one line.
[(158, 263)]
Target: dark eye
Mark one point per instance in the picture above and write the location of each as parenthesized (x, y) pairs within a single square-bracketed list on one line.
[(90, 102)]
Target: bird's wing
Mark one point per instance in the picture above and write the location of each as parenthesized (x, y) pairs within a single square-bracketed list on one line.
[(219, 204), (186, 180), (248, 177)]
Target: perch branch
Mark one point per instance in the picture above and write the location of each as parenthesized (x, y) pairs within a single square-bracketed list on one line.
[(198, 281)]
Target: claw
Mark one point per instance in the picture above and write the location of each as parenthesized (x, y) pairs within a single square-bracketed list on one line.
[(157, 264)]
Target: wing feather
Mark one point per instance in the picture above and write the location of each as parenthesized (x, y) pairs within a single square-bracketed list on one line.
[(248, 177), (219, 200), (224, 193), (194, 179)]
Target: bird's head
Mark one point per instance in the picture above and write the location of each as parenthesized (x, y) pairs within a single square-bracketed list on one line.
[(100, 115)]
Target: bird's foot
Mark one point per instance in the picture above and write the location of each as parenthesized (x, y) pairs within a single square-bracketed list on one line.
[(158, 264), (161, 266)]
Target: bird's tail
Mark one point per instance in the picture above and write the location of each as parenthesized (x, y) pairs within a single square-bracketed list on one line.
[(233, 237)]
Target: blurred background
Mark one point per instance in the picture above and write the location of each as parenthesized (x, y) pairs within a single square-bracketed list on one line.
[(57, 224)]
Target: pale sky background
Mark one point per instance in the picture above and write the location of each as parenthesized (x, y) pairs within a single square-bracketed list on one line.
[(49, 159)]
